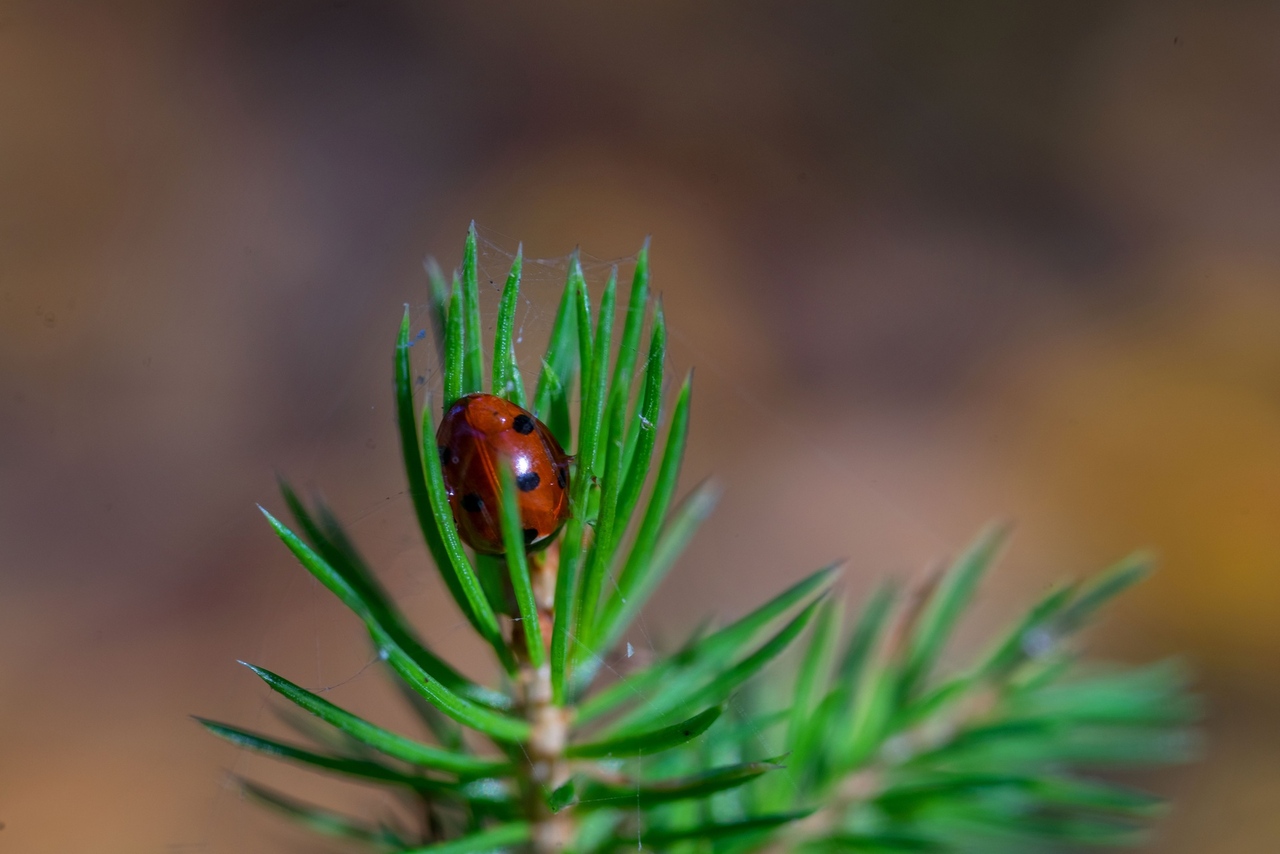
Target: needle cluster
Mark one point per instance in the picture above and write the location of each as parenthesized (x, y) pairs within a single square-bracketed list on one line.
[(863, 742)]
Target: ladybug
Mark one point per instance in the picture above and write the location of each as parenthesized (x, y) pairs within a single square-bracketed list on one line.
[(481, 432)]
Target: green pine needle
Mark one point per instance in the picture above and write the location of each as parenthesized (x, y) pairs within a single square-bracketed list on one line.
[(473, 355), (485, 620), (359, 768), (411, 448), (712, 830), (600, 795), (498, 726), (389, 743), (648, 743), (943, 609), (455, 346), (339, 567), (506, 373), (707, 653), (319, 820), (517, 561), (644, 430), (637, 579)]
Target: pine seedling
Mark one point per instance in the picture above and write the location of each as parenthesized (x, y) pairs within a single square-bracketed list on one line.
[(790, 728)]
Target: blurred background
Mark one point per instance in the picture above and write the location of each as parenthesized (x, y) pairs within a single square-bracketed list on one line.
[(935, 264)]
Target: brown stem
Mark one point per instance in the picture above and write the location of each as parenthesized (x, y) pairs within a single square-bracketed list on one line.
[(546, 767)]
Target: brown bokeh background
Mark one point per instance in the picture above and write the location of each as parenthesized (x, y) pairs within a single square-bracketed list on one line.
[(935, 264)]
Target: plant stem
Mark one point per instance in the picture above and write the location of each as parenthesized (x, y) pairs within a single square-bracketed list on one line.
[(545, 768)]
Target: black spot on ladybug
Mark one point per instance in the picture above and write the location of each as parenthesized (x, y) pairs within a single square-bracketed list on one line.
[(472, 503), (530, 534), (528, 481), (562, 476), (523, 424), (446, 455)]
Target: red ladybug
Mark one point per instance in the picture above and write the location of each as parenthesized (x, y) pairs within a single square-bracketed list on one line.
[(482, 431)]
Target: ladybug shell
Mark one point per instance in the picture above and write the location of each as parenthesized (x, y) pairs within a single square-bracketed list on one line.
[(481, 432)]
